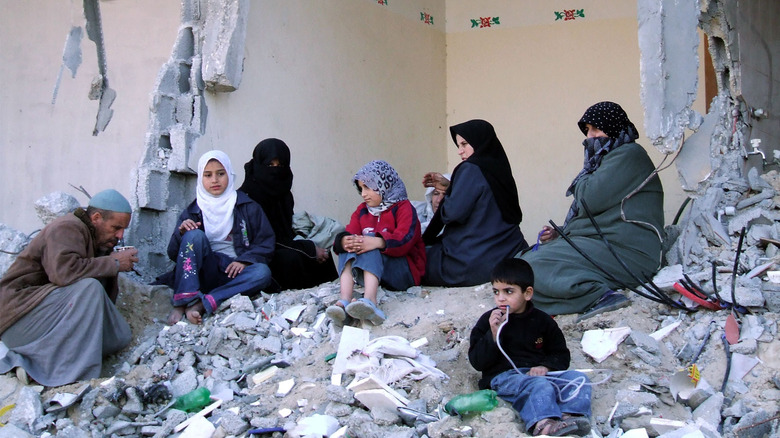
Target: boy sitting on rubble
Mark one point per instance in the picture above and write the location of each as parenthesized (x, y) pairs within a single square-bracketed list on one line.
[(517, 346)]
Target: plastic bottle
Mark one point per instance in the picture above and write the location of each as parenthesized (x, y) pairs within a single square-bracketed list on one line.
[(193, 401), (478, 401)]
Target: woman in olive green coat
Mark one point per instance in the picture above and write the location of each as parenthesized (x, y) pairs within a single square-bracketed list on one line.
[(625, 203)]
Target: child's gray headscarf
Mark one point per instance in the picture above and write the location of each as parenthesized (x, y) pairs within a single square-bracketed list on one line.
[(380, 177)]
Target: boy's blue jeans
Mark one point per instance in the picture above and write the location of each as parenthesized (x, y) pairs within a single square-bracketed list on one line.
[(200, 274), (536, 398)]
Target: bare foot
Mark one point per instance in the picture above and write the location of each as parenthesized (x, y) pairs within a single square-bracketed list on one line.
[(176, 314), (195, 313)]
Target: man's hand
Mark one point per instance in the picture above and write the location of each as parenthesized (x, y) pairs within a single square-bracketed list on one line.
[(126, 258), (497, 316), (187, 225), (234, 269), (538, 371)]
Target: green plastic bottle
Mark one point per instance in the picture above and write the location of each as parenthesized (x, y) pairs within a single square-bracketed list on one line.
[(478, 401), (194, 400)]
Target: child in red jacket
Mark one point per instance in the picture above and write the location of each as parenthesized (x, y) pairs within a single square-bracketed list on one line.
[(382, 245)]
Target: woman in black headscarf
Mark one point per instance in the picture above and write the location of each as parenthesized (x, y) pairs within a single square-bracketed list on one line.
[(477, 222), (618, 184), (296, 264)]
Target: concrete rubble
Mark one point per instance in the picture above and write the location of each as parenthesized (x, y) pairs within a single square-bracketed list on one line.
[(249, 337)]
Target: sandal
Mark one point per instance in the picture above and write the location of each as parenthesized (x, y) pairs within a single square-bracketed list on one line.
[(366, 309), (338, 314), (553, 427), (582, 422), (608, 302)]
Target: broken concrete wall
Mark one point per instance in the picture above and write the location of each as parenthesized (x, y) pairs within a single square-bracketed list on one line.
[(305, 78), (46, 146), (714, 164), (669, 66)]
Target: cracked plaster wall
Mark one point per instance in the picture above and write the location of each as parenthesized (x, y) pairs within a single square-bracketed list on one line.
[(207, 55), (714, 162)]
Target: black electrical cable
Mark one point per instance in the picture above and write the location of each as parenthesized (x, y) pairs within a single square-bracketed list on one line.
[(715, 282), (607, 274), (680, 211), (728, 363), (653, 288), (734, 272)]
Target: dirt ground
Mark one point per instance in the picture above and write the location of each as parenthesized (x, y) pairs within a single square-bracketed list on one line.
[(445, 317)]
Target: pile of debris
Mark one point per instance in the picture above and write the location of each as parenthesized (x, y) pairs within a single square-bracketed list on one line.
[(269, 365)]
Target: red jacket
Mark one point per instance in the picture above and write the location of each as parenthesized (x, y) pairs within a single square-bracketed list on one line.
[(400, 228)]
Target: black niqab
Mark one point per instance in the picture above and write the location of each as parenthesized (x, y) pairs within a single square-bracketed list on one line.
[(271, 186)]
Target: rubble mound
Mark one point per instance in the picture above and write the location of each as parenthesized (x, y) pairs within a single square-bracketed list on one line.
[(270, 359)]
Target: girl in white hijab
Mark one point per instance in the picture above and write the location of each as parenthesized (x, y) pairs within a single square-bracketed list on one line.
[(221, 246)]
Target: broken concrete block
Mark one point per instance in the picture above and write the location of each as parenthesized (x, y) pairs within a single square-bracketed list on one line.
[(54, 205), (11, 241), (770, 292), (336, 409), (753, 425), (271, 344), (709, 411), (748, 346), (223, 46), (667, 276), (636, 398), (182, 144), (644, 341), (185, 382), (647, 357), (28, 407), (385, 417), (755, 199), (668, 42), (232, 423), (11, 431), (752, 216), (152, 189)]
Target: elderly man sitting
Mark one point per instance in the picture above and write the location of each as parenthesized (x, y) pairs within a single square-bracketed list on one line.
[(58, 316)]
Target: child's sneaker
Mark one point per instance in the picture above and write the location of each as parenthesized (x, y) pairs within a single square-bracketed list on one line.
[(338, 314), (366, 309)]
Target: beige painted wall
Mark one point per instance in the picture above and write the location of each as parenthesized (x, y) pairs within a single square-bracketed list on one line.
[(45, 147), (533, 78), (342, 83)]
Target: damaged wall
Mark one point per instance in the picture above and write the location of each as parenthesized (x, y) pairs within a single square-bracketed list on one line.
[(533, 76), (47, 146), (303, 77), (716, 164)]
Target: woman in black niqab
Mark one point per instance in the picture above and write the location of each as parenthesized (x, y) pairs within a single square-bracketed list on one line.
[(296, 264)]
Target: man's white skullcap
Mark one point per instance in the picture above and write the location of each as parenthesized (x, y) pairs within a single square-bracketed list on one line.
[(110, 200)]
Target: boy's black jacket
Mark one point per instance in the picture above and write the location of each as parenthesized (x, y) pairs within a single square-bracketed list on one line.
[(530, 339)]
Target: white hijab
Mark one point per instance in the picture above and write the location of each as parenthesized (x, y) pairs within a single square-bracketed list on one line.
[(217, 210)]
